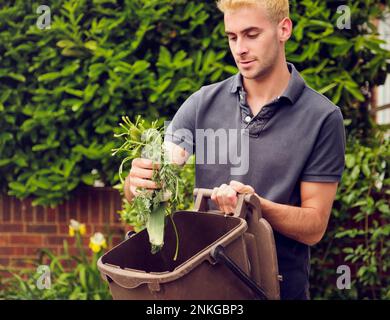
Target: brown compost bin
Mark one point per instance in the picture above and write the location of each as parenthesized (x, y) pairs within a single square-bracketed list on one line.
[(221, 257)]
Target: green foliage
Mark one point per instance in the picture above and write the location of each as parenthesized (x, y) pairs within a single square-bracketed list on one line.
[(359, 229), (344, 64), (72, 277), (64, 89), (148, 209)]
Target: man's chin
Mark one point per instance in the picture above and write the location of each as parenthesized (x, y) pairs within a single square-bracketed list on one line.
[(253, 74), (248, 74)]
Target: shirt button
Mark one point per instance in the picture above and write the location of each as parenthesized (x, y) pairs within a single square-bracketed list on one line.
[(248, 119)]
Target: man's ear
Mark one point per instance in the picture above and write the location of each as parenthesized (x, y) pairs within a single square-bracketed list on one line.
[(285, 29)]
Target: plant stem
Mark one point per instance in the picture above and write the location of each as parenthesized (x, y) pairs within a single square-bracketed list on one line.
[(81, 249), (177, 237)]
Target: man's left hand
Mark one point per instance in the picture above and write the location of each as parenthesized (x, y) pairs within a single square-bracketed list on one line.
[(225, 196)]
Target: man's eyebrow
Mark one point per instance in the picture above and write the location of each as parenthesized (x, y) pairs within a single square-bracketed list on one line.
[(244, 31)]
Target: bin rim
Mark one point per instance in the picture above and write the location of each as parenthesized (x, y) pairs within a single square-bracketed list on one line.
[(131, 278)]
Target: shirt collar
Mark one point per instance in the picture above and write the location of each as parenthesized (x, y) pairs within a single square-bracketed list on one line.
[(293, 91)]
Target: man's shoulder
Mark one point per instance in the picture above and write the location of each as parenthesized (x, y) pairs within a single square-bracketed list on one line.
[(317, 102), (317, 105)]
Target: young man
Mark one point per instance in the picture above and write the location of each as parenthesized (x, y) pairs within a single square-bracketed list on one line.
[(295, 138)]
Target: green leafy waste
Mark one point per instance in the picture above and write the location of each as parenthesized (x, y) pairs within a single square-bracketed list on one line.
[(149, 209)]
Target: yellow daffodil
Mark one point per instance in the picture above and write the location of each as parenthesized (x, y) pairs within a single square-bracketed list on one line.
[(97, 242), (76, 226), (82, 229)]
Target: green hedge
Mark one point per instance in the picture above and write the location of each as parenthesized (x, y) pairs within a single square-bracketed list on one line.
[(358, 234), (64, 89)]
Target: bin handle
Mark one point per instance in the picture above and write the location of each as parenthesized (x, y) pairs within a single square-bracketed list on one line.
[(244, 200), (218, 254)]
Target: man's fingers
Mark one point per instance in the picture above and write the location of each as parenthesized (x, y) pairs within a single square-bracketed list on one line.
[(235, 183), (175, 153), (136, 193), (145, 163), (138, 172), (214, 197), (240, 187), (231, 198), (227, 197), (246, 189), (221, 198), (143, 183)]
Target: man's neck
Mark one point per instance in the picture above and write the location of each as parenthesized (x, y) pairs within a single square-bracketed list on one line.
[(263, 90)]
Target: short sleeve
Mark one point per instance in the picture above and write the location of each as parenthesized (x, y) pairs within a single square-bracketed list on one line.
[(181, 130), (327, 160)]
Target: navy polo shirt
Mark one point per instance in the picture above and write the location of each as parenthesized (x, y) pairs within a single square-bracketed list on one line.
[(297, 137)]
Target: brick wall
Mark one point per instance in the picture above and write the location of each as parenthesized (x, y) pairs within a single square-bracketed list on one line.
[(24, 229)]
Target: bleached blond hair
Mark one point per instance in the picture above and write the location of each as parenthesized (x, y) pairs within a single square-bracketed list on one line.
[(276, 9)]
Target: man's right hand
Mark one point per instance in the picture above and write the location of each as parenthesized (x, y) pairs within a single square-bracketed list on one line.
[(140, 176), (141, 172)]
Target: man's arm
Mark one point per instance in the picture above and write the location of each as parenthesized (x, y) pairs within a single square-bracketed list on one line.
[(306, 224)]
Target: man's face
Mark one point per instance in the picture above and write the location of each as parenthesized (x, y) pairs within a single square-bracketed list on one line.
[(253, 40)]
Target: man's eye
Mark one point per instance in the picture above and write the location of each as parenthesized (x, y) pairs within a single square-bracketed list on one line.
[(252, 36), (232, 38)]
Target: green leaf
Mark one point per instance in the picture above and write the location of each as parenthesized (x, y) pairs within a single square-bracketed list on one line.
[(291, 46), (68, 167), (88, 179), (43, 184), (327, 88), (355, 92), (91, 45), (74, 92), (350, 160), (4, 162), (355, 172), (83, 276), (230, 69), (335, 40), (90, 91), (140, 66), (49, 76), (96, 69), (16, 76), (65, 43), (384, 208), (341, 50), (165, 57), (68, 52), (45, 146), (366, 170), (17, 186)]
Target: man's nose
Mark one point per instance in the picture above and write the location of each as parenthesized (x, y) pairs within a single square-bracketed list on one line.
[(241, 47)]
